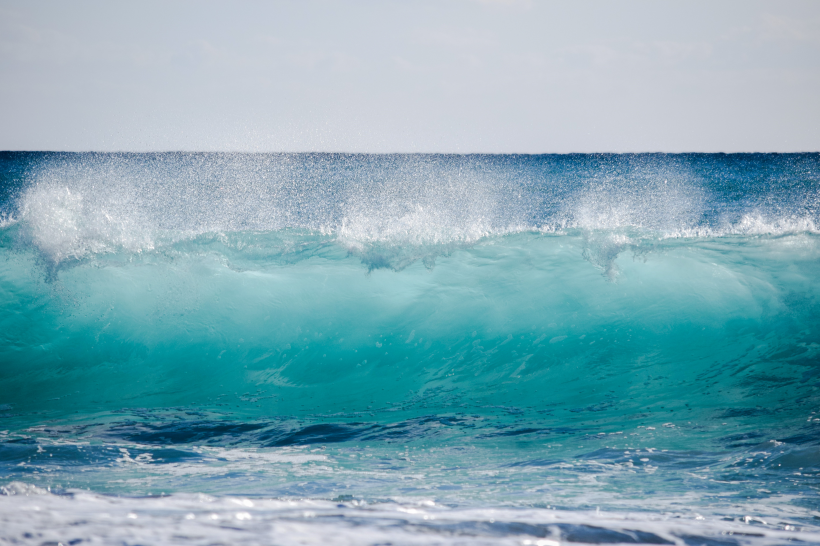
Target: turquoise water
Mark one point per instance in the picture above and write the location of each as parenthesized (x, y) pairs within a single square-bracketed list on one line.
[(409, 349)]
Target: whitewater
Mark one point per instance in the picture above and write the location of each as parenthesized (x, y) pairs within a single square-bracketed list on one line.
[(409, 349)]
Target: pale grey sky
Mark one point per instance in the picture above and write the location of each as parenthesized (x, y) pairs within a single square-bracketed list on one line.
[(411, 76)]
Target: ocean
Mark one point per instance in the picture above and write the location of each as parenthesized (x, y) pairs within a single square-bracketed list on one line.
[(206, 348)]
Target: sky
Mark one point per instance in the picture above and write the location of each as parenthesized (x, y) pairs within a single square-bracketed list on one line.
[(455, 76)]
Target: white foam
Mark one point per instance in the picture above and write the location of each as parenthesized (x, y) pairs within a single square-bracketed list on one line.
[(756, 223), (64, 225), (22, 489), (657, 205), (7, 220), (95, 206), (203, 519)]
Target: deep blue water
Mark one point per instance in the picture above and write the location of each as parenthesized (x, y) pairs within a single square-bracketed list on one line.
[(413, 349)]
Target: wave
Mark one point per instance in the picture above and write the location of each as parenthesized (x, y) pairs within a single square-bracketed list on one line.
[(298, 325), (355, 335), (343, 274)]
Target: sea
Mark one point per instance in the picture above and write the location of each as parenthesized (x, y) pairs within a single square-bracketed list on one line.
[(242, 349)]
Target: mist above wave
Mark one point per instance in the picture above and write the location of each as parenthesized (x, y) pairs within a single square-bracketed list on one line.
[(394, 209)]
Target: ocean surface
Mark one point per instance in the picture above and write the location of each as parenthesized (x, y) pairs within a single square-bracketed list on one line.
[(409, 349)]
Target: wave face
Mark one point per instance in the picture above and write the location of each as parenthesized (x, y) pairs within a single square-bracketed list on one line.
[(410, 348)]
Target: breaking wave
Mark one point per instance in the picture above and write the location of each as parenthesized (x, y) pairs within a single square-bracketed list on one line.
[(495, 335)]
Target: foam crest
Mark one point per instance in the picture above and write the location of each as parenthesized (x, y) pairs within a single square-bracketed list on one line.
[(412, 223), (111, 203), (64, 225), (396, 223), (759, 224), (615, 215), (654, 205), (393, 210)]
